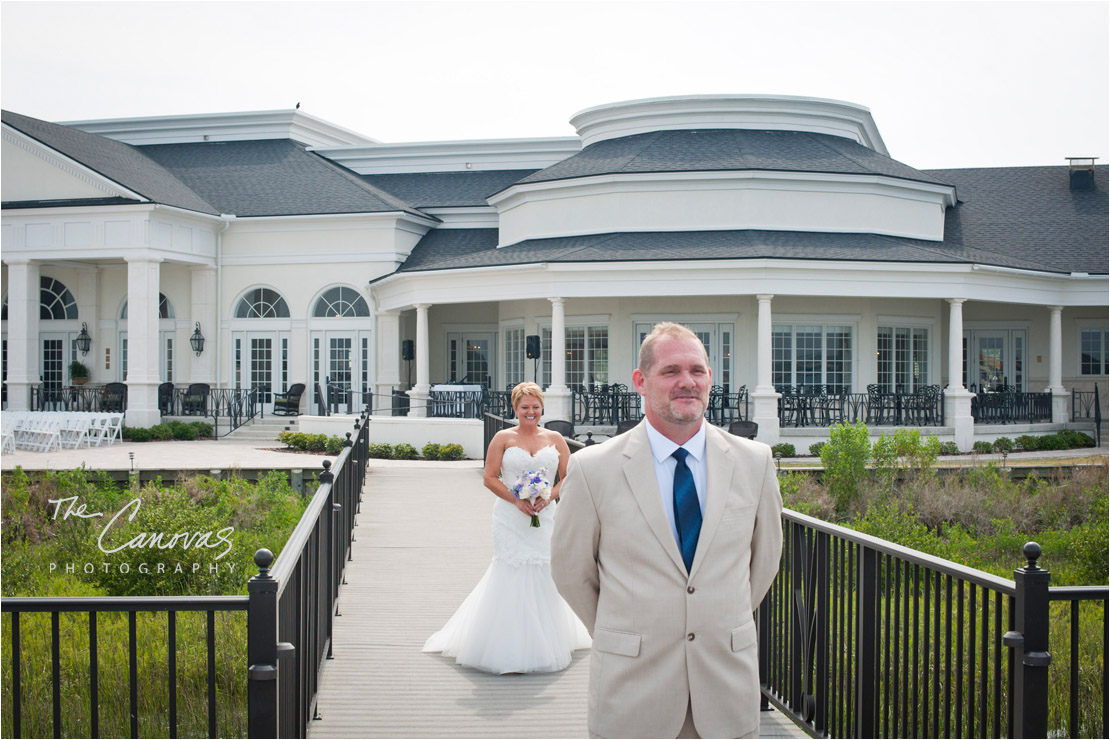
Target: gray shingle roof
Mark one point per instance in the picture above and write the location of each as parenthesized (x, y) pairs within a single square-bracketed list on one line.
[(119, 162), (727, 149), (272, 178), (446, 189), (1022, 217)]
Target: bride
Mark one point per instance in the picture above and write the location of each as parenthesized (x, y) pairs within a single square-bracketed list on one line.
[(514, 621)]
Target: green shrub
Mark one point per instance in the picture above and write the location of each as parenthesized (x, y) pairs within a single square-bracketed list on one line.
[(289, 439), (334, 445), (949, 448), (452, 451), (161, 432), (404, 451), (1077, 439), (136, 434), (1028, 442), (204, 429), (845, 461), (1004, 444), (1054, 442), (983, 447), (785, 449), (380, 450), (316, 442), (184, 432), (431, 451), (815, 448)]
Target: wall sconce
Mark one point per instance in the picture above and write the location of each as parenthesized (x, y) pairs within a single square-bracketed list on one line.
[(197, 340), (84, 341)]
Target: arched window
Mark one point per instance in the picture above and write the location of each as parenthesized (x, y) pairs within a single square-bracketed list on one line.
[(165, 308), (262, 303), (341, 302), (55, 300)]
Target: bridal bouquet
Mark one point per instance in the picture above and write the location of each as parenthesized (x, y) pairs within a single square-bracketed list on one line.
[(533, 485)]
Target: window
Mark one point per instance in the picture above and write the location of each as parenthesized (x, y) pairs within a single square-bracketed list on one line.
[(55, 300), (514, 356), (587, 349), (903, 358), (262, 303), (341, 302), (1094, 351), (811, 355)]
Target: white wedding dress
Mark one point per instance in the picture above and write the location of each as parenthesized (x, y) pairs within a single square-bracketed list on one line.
[(515, 621)]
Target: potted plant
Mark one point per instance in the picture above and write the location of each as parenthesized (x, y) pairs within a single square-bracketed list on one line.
[(78, 372)]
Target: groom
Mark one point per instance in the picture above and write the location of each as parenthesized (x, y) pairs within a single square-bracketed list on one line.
[(666, 540)]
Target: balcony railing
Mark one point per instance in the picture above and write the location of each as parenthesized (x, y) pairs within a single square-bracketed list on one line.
[(822, 406), (1011, 407)]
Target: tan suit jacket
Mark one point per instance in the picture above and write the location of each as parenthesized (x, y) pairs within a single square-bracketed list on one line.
[(662, 637)]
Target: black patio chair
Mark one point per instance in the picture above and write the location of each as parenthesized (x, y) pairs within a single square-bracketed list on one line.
[(289, 403), (744, 428), (195, 400), (564, 428), (114, 397), (165, 398)]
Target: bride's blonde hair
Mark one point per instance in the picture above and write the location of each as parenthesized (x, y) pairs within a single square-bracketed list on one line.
[(526, 388)]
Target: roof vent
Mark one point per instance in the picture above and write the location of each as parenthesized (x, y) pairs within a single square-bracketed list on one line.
[(1081, 172)]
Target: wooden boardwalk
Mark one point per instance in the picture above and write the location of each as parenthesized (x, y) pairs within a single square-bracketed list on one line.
[(422, 543)]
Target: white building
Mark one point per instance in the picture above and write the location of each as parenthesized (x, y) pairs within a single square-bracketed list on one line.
[(779, 228)]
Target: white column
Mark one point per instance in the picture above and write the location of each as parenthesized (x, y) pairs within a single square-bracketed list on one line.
[(418, 396), (23, 332), (88, 311), (142, 342), (956, 345), (1056, 364), (202, 311), (765, 399), (957, 399), (557, 397), (389, 359)]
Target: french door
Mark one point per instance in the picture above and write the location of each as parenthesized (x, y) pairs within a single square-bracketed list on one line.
[(54, 356), (995, 358), (470, 357), (341, 361), (261, 360)]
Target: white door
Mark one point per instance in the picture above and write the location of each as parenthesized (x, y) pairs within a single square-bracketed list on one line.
[(260, 366), (54, 356)]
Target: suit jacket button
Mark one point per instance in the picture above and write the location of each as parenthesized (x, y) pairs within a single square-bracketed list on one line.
[(690, 637), (689, 589)]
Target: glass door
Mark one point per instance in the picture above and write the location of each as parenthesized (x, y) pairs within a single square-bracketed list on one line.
[(470, 358), (261, 367), (997, 359), (53, 360)]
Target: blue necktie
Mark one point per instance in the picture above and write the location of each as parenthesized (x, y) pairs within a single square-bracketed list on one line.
[(687, 510)]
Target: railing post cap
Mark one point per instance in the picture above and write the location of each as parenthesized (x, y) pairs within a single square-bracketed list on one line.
[(347, 443), (1032, 552), (263, 558)]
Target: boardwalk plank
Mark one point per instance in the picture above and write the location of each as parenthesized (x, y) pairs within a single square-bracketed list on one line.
[(422, 543)]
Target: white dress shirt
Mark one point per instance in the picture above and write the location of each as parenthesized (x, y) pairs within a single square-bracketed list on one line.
[(661, 451)]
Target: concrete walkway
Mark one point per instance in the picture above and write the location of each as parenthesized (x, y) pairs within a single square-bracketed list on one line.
[(423, 542)]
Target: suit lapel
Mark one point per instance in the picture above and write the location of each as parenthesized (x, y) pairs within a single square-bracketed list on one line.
[(718, 477), (639, 471)]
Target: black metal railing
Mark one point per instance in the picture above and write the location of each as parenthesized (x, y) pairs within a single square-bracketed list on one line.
[(1086, 406), (491, 425), (1011, 407), (95, 398), (293, 599), (84, 614), (227, 408), (822, 406), (860, 637)]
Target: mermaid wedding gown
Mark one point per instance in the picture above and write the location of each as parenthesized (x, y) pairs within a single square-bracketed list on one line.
[(515, 621)]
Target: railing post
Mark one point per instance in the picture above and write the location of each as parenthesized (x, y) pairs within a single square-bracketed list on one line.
[(262, 673), (866, 667), (1029, 641)]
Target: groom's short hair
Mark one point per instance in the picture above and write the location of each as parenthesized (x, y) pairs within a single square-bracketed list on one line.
[(661, 330)]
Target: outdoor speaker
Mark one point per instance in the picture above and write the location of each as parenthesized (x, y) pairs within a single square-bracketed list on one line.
[(532, 352), (407, 352)]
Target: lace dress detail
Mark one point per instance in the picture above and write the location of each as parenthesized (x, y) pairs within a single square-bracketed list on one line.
[(515, 621)]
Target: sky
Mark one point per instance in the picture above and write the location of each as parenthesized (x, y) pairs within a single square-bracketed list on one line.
[(967, 83)]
